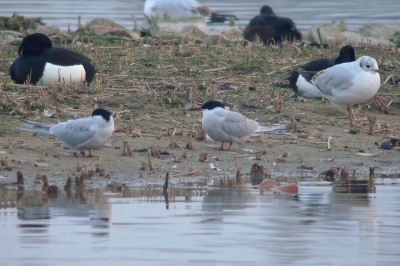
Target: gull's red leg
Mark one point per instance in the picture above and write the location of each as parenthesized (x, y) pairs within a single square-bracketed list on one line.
[(229, 147), (349, 110)]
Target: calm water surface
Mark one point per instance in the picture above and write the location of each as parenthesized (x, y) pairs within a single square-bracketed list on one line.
[(305, 13), (205, 226)]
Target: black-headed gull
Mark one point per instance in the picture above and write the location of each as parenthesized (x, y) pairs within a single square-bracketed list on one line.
[(283, 28), (81, 134), (181, 9), (303, 88), (348, 83), (223, 125), (39, 63)]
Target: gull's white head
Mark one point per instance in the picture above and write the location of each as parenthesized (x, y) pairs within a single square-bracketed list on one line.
[(369, 64)]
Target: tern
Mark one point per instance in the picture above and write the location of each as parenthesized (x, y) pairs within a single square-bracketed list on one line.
[(81, 134), (223, 125), (348, 83), (39, 63)]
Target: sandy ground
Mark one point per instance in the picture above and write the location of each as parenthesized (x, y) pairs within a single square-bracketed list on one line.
[(140, 95), (26, 155)]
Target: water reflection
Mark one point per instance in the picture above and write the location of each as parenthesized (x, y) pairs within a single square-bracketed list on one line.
[(201, 225)]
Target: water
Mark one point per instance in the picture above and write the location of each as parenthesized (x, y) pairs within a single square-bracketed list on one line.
[(201, 226), (305, 13)]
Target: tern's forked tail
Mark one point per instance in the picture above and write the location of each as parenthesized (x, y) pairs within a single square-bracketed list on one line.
[(38, 127), (273, 129)]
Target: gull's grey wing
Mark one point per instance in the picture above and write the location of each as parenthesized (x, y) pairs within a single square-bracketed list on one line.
[(238, 125), (338, 77), (76, 133)]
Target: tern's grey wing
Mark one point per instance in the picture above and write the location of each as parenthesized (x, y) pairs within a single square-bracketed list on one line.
[(76, 133), (238, 126), (339, 77)]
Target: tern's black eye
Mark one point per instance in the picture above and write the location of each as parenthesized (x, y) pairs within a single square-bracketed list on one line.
[(368, 66)]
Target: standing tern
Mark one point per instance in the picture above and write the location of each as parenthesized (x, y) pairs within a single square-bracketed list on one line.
[(348, 83), (223, 125), (81, 134)]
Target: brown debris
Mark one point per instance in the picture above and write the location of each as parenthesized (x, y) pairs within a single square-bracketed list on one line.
[(256, 173), (189, 145), (280, 159), (173, 143), (278, 104), (201, 133), (145, 166), (203, 156), (293, 125), (150, 161), (7, 164), (344, 174), (238, 176), (155, 149), (127, 149), (20, 178), (332, 174), (68, 183), (372, 123), (165, 186), (51, 190)]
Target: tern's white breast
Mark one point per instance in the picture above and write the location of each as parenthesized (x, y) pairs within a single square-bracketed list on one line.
[(65, 74)]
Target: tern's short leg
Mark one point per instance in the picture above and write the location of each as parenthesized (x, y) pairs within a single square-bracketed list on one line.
[(222, 147)]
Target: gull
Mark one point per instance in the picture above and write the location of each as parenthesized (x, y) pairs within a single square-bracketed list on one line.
[(223, 125), (348, 83), (303, 88), (178, 9), (81, 134)]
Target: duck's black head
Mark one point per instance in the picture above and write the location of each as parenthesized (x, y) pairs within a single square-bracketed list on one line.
[(102, 112), (346, 55), (34, 44), (266, 10), (211, 105)]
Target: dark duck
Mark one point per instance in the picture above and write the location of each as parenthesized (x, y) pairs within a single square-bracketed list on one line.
[(39, 63)]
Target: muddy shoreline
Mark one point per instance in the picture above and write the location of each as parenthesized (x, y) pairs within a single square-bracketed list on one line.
[(147, 86)]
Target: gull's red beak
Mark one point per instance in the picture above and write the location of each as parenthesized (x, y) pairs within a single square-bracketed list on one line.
[(379, 71)]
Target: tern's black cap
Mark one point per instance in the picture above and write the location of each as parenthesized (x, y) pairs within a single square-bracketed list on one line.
[(211, 105), (104, 113)]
